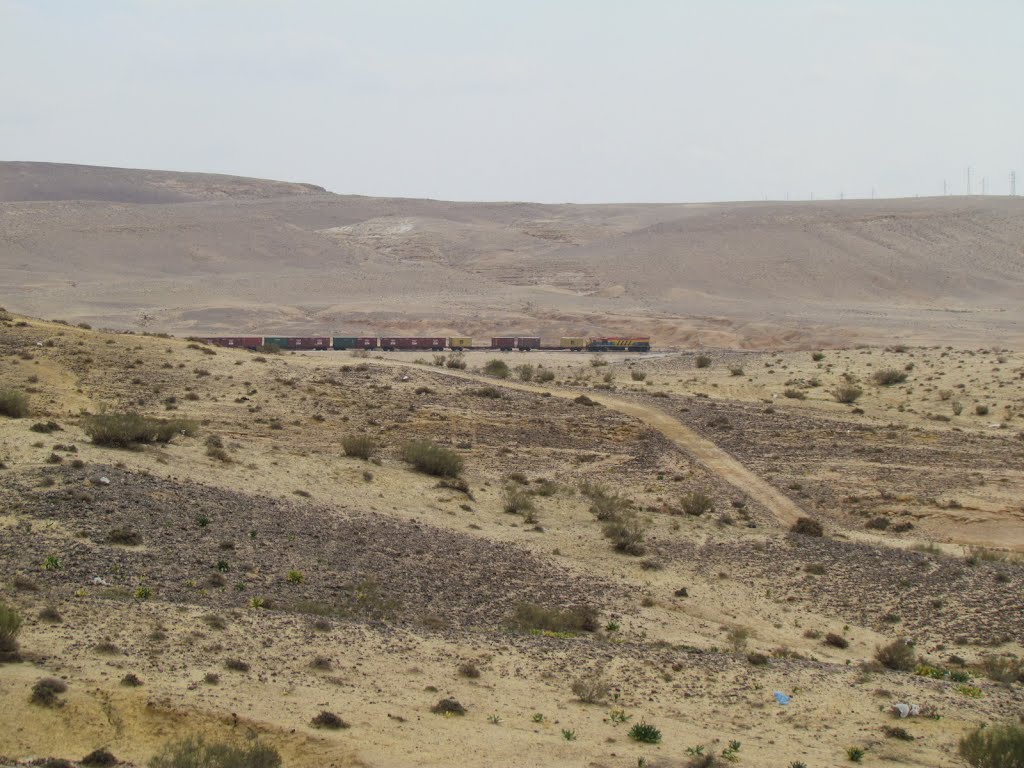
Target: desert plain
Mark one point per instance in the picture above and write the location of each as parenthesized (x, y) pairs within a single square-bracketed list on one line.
[(821, 459)]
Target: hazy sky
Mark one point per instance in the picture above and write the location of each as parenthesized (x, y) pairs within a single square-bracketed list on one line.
[(548, 100)]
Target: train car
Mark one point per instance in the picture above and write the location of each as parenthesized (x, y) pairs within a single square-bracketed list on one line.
[(575, 343), (237, 342), (391, 343), (459, 343), (298, 342), (504, 343), (526, 343), (353, 342), (619, 344)]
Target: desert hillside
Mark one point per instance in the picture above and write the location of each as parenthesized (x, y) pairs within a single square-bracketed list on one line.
[(195, 253), (543, 559)]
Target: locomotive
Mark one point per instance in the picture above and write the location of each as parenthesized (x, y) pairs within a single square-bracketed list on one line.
[(432, 343)]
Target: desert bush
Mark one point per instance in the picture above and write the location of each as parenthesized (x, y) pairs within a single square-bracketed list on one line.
[(45, 692), (122, 430), (329, 720), (469, 669), (896, 732), (794, 394), (125, 537), (534, 617), (195, 752), (10, 626), (886, 377), (817, 356), (583, 400), (998, 746), (358, 446), (626, 533), (432, 459), (237, 665), (981, 410), (836, 641), (13, 403), (738, 637), (131, 680), (498, 368), (847, 393), (1002, 669), (697, 503), (636, 375), (545, 376), (45, 427), (456, 362), (448, 707), (808, 526), (735, 370), (898, 655), (591, 688), (879, 523), (516, 500), (757, 659), (605, 505), (525, 372), (492, 392), (702, 361)]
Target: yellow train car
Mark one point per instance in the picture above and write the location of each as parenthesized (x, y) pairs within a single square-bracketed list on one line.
[(459, 343), (575, 343)]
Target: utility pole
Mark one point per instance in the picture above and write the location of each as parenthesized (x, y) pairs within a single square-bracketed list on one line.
[(1013, 183), (872, 193), (983, 185), (943, 187), (968, 180)]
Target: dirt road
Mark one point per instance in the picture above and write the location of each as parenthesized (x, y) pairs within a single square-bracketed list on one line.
[(700, 448)]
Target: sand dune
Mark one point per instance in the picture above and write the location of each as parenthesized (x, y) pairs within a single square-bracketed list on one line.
[(191, 253)]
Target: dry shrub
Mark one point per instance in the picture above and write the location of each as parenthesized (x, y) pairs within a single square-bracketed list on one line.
[(432, 459), (808, 526), (592, 688), (534, 617), (358, 446), (898, 655), (195, 752), (122, 430)]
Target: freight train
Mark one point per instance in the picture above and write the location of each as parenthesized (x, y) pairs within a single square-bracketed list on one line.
[(432, 343)]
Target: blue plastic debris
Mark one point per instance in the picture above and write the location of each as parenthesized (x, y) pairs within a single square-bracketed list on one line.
[(781, 697)]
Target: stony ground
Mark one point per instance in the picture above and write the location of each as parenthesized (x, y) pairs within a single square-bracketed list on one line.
[(251, 587)]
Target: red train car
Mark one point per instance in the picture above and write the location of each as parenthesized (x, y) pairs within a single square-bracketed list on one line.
[(298, 342), (238, 342), (391, 343), (504, 343)]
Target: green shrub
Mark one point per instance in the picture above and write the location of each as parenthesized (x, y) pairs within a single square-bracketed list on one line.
[(645, 732), (697, 503), (545, 376), (847, 393), (898, 655), (10, 626), (195, 752), (45, 692), (855, 754), (534, 617), (638, 375), (498, 368), (432, 459), (886, 377), (998, 746), (121, 430), (358, 446), (794, 394), (13, 403), (981, 410), (268, 349), (702, 361), (817, 356)]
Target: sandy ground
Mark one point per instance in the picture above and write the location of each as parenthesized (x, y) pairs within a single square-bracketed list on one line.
[(403, 581)]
